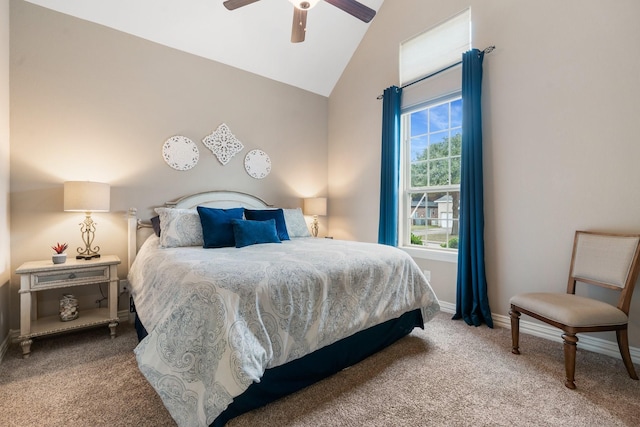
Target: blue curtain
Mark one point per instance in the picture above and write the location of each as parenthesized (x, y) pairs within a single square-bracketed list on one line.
[(390, 171), (472, 303)]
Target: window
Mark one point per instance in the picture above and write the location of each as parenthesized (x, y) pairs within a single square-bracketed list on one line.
[(432, 143), (432, 137)]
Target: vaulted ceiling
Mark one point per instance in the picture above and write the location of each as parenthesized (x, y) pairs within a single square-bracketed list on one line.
[(254, 38)]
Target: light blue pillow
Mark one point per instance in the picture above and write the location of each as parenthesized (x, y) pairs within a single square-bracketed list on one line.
[(296, 225), (247, 232), (179, 227), (217, 229)]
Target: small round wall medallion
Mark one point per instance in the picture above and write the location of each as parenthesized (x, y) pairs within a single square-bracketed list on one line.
[(257, 164), (180, 153)]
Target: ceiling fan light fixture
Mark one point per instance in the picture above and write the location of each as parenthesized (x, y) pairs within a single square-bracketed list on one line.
[(300, 8), (304, 4)]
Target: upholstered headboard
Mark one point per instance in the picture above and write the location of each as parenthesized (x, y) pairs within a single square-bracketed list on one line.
[(139, 230)]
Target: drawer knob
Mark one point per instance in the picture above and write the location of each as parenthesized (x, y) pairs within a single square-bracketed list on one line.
[(72, 276)]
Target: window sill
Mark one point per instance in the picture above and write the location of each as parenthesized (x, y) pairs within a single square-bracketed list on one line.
[(431, 254)]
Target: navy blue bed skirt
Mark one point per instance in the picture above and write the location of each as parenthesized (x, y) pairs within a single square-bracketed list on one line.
[(292, 376)]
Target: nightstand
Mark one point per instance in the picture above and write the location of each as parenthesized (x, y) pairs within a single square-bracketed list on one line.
[(44, 275)]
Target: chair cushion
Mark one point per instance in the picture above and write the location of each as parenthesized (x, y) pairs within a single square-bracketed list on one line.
[(571, 310)]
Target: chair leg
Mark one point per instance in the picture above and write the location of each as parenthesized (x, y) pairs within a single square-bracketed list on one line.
[(623, 345), (515, 330), (570, 344)]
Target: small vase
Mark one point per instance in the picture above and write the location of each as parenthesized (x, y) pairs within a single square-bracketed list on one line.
[(59, 258)]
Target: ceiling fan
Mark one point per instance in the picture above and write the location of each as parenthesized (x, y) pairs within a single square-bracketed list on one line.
[(300, 8)]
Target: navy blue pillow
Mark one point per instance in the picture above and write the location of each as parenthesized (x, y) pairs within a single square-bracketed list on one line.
[(249, 232), (265, 214), (217, 230)]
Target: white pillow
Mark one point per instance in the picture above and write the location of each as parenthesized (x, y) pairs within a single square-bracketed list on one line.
[(179, 227), (296, 225)]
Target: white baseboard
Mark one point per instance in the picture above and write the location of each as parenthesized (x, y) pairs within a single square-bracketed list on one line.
[(447, 307), (587, 342)]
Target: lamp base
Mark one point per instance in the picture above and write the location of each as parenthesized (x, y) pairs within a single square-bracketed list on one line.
[(88, 231), (88, 256)]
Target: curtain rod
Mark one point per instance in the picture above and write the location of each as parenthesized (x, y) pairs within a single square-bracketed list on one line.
[(435, 73)]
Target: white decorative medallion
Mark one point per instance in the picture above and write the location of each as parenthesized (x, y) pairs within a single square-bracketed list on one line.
[(257, 164), (223, 144), (180, 153)]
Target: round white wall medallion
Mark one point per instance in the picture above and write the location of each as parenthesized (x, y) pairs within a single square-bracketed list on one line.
[(257, 164), (180, 153)]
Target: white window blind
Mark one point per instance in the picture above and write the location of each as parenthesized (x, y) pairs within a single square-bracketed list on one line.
[(436, 48)]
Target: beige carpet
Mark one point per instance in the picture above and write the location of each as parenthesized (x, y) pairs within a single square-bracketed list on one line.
[(449, 375)]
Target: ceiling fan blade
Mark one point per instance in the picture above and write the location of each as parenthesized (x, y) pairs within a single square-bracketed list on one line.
[(299, 27), (354, 8), (234, 4)]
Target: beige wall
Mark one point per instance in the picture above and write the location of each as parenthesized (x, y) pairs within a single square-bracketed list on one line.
[(4, 174), (90, 103), (560, 134)]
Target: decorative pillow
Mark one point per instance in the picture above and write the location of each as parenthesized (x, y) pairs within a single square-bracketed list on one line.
[(247, 232), (217, 229), (155, 223), (180, 227), (265, 214), (296, 225)]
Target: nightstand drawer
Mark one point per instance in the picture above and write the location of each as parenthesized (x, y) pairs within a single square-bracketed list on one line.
[(70, 278)]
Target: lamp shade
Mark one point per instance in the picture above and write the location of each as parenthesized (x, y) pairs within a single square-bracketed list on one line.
[(315, 206), (86, 196)]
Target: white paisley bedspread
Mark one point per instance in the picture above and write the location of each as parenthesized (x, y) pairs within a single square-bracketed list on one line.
[(217, 318)]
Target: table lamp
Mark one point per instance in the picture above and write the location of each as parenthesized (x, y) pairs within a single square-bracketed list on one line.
[(87, 197), (315, 206)]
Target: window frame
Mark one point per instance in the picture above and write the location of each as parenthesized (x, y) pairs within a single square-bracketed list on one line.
[(444, 254)]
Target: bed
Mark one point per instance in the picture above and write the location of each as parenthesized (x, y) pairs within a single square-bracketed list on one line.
[(226, 329)]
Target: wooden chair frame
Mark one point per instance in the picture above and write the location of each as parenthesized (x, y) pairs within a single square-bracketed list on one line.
[(569, 337)]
